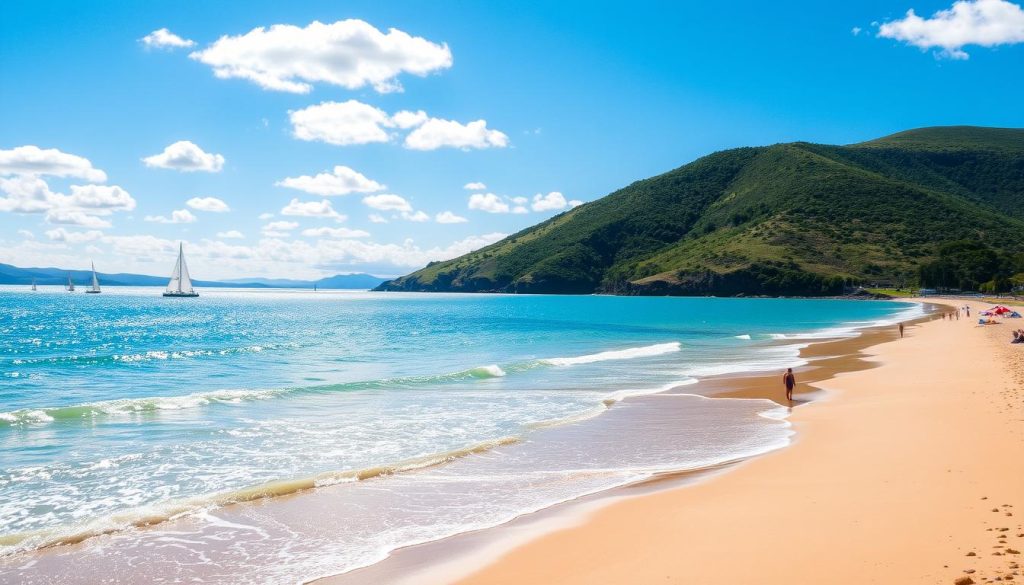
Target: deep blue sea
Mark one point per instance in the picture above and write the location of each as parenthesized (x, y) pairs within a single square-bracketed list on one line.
[(128, 405)]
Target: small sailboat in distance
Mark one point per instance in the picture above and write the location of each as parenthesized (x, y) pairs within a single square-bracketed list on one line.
[(180, 284), (70, 286), (34, 284), (95, 288)]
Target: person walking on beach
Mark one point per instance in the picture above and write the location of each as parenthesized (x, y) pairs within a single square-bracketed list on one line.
[(901, 330), (790, 381)]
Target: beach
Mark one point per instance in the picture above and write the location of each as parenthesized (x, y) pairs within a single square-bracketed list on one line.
[(907, 472)]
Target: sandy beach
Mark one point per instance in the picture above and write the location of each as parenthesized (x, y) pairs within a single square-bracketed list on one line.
[(908, 472)]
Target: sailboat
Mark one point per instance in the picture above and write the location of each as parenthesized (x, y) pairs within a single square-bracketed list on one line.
[(95, 288), (180, 284), (34, 284), (70, 286)]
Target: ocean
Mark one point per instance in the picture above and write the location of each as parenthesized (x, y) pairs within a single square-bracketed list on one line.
[(415, 417)]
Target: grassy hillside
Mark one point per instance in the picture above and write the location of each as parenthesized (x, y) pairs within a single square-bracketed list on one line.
[(793, 218)]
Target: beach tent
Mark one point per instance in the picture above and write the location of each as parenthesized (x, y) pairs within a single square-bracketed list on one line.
[(1015, 315), (999, 310)]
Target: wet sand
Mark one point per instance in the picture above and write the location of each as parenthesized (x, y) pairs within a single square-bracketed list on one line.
[(897, 476)]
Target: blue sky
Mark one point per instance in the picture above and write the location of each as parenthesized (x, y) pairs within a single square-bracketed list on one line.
[(576, 100)]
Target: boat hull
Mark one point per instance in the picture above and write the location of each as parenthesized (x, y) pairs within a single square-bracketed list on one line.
[(92, 292), (181, 294)]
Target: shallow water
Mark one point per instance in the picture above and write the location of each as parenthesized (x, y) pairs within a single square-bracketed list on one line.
[(126, 405)]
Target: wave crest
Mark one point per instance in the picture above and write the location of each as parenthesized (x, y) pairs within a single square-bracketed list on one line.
[(620, 354)]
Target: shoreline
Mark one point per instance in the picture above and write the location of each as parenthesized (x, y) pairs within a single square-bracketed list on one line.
[(476, 549), (879, 486), (820, 349)]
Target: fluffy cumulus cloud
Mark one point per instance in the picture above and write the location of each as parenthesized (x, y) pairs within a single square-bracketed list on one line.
[(550, 202), (322, 208), (491, 203), (449, 217), (488, 202), (437, 133), (987, 23), (347, 53), (23, 188), (231, 235), (338, 233), (177, 216), (31, 160), (186, 157), (353, 122), (387, 202), (341, 181), (63, 235), (211, 204), (341, 123), (417, 216), (165, 39), (474, 186)]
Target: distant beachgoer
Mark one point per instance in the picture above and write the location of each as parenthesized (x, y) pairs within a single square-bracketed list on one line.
[(968, 308), (790, 381), (901, 330)]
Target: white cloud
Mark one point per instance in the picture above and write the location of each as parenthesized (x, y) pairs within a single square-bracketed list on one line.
[(177, 216), (75, 217), (855, 30), (34, 161), (449, 217), (387, 202), (62, 235), (475, 186), (99, 199), (575, 203), (520, 200), (165, 39), (322, 208), (278, 229), (347, 53), (231, 235), (329, 232), (211, 204), (341, 123), (488, 202), (353, 122), (406, 119), (26, 234), (551, 202), (520, 209), (341, 181), (437, 133), (987, 23), (187, 157), (417, 216), (377, 218), (265, 216), (30, 194)]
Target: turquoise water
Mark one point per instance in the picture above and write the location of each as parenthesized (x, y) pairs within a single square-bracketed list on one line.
[(125, 405)]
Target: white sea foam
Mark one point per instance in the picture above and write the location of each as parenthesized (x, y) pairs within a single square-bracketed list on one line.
[(621, 354), (744, 336)]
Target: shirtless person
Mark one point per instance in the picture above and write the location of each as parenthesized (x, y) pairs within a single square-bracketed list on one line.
[(790, 382)]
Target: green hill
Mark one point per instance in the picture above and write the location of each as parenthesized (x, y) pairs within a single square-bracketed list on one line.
[(787, 219)]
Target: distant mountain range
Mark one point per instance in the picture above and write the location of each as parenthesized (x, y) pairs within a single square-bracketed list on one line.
[(50, 276), (786, 219)]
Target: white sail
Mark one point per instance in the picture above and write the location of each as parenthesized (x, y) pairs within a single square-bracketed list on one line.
[(95, 281), (180, 283), (33, 284), (70, 285)]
